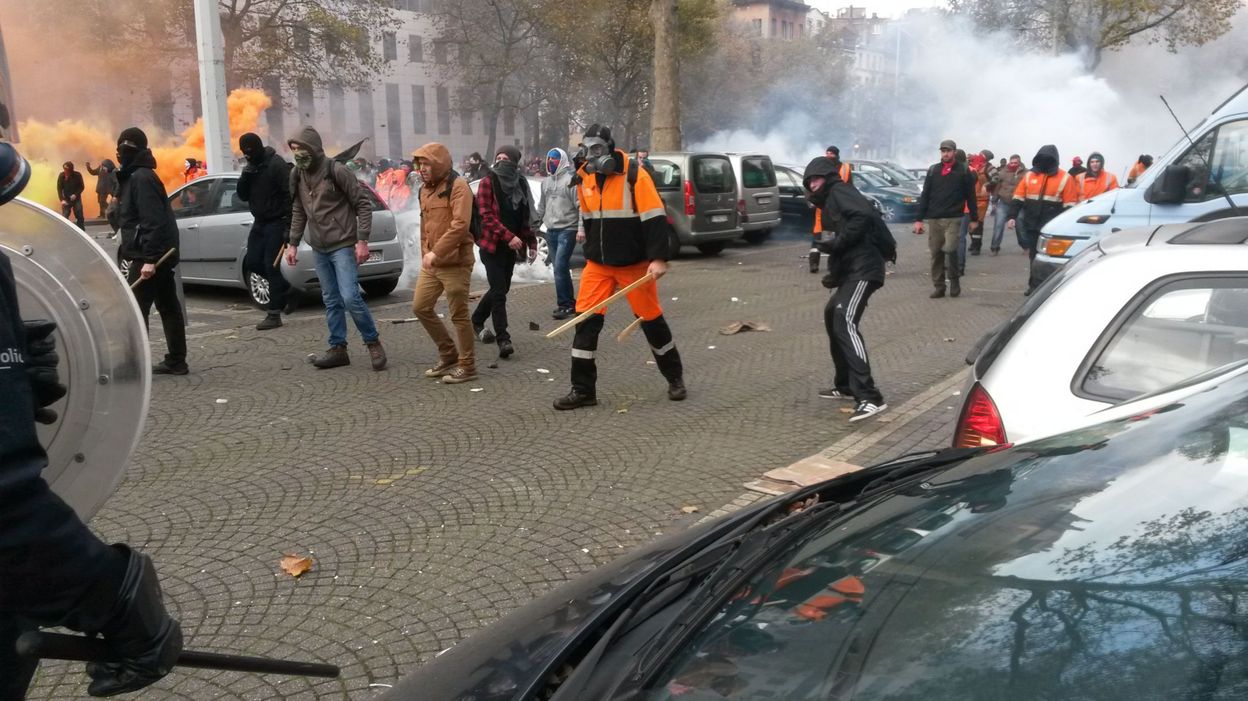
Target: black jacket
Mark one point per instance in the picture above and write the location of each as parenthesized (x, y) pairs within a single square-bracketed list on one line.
[(852, 250), (69, 185), (49, 561), (105, 177), (265, 187), (145, 218), (1038, 212), (948, 196)]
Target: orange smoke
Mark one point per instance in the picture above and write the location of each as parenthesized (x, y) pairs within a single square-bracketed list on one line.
[(47, 146)]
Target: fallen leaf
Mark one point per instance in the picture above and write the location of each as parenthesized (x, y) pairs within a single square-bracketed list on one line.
[(533, 326), (689, 509), (622, 410), (295, 565), (739, 326)]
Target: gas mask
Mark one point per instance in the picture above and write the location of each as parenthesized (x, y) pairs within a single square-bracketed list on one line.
[(598, 156)]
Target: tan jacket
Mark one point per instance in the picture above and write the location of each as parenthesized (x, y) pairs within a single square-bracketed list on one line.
[(445, 211)]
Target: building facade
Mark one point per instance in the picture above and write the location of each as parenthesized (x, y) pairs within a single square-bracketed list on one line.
[(772, 19)]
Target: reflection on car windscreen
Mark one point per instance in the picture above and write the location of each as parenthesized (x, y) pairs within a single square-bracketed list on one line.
[(1105, 564), (757, 172), (713, 175)]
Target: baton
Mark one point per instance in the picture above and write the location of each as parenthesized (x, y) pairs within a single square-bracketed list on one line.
[(158, 264), (278, 260), (628, 330), (648, 277), (58, 646)]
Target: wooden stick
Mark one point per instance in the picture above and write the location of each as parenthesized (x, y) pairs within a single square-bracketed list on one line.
[(158, 264), (278, 260), (648, 277), (628, 330)]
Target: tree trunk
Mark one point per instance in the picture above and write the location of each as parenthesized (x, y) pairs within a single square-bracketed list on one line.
[(665, 124), (491, 127)]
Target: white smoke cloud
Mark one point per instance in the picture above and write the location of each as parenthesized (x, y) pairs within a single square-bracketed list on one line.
[(408, 223)]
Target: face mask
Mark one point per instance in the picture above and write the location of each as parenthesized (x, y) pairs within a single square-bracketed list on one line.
[(598, 158), (303, 161)]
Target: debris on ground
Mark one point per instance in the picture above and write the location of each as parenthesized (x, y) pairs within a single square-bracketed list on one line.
[(543, 371), (689, 509), (739, 326), (533, 326), (477, 389), (949, 340), (295, 565)]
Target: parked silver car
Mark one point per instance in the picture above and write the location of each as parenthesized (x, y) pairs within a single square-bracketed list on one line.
[(1141, 311), (212, 227), (699, 191), (758, 194)]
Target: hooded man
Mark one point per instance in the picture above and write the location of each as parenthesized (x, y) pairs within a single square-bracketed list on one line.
[(560, 211), (148, 232), (446, 262), (265, 186), (948, 194), (105, 183), (1076, 167), (69, 188), (1096, 179), (1010, 174), (506, 208), (193, 169), (476, 168), (980, 166), (328, 201), (1044, 193), (626, 236), (846, 173), (855, 271)]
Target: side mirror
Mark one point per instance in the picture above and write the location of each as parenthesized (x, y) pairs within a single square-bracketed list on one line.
[(1170, 187)]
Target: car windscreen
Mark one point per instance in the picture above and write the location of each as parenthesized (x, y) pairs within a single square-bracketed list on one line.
[(713, 175), (667, 175), (757, 171), (1106, 563)]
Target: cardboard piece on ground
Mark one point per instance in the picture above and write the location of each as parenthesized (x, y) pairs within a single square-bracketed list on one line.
[(739, 326), (803, 473)]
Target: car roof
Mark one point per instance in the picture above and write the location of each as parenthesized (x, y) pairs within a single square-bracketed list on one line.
[(1230, 231)]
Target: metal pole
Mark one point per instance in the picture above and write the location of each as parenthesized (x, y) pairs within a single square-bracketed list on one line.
[(218, 152)]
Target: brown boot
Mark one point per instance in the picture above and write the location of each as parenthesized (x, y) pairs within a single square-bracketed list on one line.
[(335, 357), (377, 354)]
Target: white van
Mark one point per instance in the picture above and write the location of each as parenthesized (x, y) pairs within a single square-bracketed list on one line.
[(1179, 187)]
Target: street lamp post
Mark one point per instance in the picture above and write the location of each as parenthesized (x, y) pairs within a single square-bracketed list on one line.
[(218, 153)]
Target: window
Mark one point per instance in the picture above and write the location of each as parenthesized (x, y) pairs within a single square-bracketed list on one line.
[(758, 27), (465, 122), (444, 111), (227, 198), (368, 124), (439, 52), (666, 175), (301, 39), (337, 109), (713, 175), (193, 200), (394, 119), (415, 50), (1226, 151), (389, 48), (418, 109), (773, 27), (509, 122), (1180, 330), (304, 97), (787, 179), (757, 171)]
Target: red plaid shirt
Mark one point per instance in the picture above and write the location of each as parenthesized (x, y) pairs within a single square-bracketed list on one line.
[(494, 234)]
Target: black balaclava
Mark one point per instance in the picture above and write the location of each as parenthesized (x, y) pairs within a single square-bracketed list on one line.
[(130, 143), (508, 174), (251, 146)]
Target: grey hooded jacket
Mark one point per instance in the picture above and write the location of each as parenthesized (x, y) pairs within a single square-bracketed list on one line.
[(559, 207)]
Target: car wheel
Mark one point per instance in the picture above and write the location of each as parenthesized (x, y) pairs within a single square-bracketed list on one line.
[(756, 237), (381, 288), (888, 212), (258, 288), (712, 248)]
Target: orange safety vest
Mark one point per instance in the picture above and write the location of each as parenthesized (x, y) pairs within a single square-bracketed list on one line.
[(847, 176), (196, 172), (1136, 171), (1091, 187), (1059, 189)]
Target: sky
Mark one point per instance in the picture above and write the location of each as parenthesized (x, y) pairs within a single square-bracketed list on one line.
[(884, 8)]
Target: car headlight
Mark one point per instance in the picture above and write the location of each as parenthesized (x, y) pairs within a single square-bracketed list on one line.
[(1093, 219), (909, 200), (1055, 246)]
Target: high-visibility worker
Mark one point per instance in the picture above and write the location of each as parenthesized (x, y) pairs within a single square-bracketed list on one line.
[(847, 176), (626, 235), (1042, 194), (1096, 179), (1142, 164)]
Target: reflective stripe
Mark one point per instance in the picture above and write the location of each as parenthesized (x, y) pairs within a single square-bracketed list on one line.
[(610, 214), (662, 351), (582, 354), (852, 328), (653, 213)]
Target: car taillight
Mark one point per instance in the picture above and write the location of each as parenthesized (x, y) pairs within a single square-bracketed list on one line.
[(741, 211), (689, 209), (980, 423), (1057, 247)]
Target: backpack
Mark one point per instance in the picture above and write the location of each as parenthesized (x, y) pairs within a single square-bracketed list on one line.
[(475, 226)]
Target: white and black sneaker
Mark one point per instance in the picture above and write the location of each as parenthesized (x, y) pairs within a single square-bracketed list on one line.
[(834, 393), (866, 410)]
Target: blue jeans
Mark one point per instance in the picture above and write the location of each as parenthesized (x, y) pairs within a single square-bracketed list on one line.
[(561, 243), (999, 213), (340, 288)]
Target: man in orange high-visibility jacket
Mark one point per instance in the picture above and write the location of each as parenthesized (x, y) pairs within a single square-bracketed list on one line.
[(1141, 165), (1042, 194), (1096, 179), (625, 234), (847, 176)]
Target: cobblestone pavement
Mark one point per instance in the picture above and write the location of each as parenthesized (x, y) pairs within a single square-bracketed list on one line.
[(431, 510)]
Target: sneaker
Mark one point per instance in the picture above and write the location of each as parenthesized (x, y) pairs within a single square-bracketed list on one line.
[(813, 257), (955, 288), (442, 369), (164, 367), (937, 294), (483, 334), (335, 357), (676, 390), (575, 400), (562, 313), (270, 321), (377, 354), (505, 349), (459, 375), (834, 393), (866, 410)]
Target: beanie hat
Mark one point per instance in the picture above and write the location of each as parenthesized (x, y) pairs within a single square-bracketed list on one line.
[(250, 143), (133, 135), (1096, 156), (14, 172), (512, 153)]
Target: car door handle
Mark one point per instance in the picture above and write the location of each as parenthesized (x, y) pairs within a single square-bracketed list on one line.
[(192, 226), (246, 223)]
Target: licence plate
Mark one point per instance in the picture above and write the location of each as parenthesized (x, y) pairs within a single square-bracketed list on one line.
[(764, 200), (374, 257), (719, 218)]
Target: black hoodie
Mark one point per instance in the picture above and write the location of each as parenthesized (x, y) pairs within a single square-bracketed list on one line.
[(852, 251), (265, 187), (148, 229), (1036, 211)]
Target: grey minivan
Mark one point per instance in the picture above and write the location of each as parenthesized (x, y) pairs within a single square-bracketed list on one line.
[(700, 193), (758, 195)]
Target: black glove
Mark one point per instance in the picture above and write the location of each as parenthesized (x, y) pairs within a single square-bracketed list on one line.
[(45, 381), (144, 638), (830, 281)]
